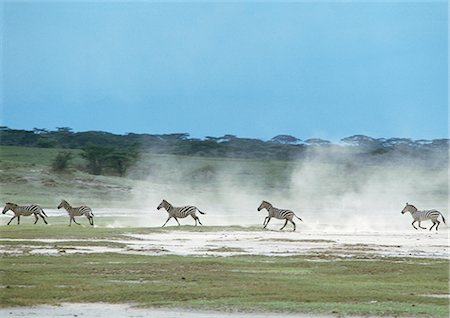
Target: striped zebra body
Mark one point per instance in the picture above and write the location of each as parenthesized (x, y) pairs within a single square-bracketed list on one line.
[(424, 215), (77, 211), (180, 212), (281, 214), (25, 210)]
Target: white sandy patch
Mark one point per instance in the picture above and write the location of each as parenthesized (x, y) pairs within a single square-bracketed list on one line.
[(271, 243), (265, 242), (437, 295), (103, 310)]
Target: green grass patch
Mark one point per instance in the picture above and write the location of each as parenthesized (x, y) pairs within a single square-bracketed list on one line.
[(86, 233), (288, 284), (61, 230), (33, 156), (226, 249), (63, 244), (299, 241)]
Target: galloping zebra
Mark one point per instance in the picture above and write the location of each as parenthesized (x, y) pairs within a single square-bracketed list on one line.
[(180, 212), (424, 215), (287, 215), (24, 211), (81, 210)]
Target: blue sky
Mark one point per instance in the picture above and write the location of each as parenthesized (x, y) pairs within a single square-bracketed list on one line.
[(253, 69)]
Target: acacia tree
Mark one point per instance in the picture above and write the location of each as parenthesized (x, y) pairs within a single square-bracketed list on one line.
[(101, 158), (121, 160), (97, 157)]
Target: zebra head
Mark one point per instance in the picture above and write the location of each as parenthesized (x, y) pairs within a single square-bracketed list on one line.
[(62, 204), (164, 204), (9, 206), (409, 208), (264, 205)]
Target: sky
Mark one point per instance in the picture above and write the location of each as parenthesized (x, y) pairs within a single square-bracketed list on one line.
[(253, 69)]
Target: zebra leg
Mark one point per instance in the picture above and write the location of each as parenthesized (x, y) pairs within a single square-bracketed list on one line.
[(36, 219), (413, 224), (11, 219), (264, 223), (434, 223), (437, 225), (44, 219), (177, 221), (167, 221), (18, 219), (89, 219), (73, 218), (267, 223), (422, 227), (284, 225), (293, 225), (197, 219)]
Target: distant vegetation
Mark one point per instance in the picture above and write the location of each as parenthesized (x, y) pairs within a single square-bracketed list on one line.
[(111, 154), (61, 161)]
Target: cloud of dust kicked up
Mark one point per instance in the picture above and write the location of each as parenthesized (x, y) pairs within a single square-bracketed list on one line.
[(329, 190)]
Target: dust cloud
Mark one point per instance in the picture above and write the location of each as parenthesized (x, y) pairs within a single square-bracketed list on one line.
[(330, 190)]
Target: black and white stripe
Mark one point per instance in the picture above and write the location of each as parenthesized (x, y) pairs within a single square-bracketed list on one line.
[(25, 210), (78, 211), (423, 215), (283, 214), (180, 212)]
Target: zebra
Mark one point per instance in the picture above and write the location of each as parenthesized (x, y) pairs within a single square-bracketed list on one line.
[(288, 215), (25, 211), (424, 215), (180, 212), (81, 210)]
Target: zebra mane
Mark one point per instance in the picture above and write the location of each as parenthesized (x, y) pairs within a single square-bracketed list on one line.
[(9, 203)]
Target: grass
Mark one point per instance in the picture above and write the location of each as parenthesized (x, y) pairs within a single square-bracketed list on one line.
[(26, 177), (319, 283), (288, 284), (60, 230), (300, 241), (34, 156)]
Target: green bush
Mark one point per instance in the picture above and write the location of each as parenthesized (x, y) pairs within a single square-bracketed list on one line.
[(61, 161)]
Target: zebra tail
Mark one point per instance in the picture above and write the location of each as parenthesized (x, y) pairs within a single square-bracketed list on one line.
[(47, 216), (302, 220), (205, 213), (443, 219)]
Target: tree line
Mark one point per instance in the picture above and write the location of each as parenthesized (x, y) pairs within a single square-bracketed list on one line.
[(108, 153)]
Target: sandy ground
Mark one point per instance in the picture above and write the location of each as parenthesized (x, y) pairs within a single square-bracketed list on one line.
[(100, 310), (225, 242), (274, 243), (265, 242)]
